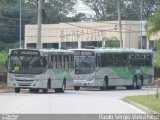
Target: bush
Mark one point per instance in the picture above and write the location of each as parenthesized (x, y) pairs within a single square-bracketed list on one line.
[(3, 56)]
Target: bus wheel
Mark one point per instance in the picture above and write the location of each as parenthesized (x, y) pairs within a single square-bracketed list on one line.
[(112, 87), (31, 90), (105, 85), (76, 87), (17, 90), (139, 83), (45, 90), (61, 90), (56, 90), (129, 87), (134, 84), (34, 90)]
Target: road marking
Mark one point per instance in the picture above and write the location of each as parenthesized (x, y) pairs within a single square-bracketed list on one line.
[(133, 107)]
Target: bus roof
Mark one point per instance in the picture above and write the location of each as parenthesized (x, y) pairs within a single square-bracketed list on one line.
[(115, 50), (122, 50), (49, 51)]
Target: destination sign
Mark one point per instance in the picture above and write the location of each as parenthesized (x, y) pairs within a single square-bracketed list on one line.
[(24, 52), (84, 53)]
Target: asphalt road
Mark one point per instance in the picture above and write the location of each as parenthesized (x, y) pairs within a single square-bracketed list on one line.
[(84, 101)]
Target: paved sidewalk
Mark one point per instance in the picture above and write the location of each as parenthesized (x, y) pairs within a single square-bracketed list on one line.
[(6, 90)]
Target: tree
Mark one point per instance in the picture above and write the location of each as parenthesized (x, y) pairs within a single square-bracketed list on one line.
[(130, 9), (55, 12), (153, 24), (153, 27), (110, 42)]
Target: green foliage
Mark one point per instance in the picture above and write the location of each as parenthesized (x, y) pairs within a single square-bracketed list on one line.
[(110, 42), (54, 12), (147, 100), (3, 56), (158, 45), (130, 9), (6, 47), (153, 24), (156, 61)]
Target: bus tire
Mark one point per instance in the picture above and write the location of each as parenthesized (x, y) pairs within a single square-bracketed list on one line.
[(77, 88), (56, 90), (128, 87), (112, 87), (45, 90), (61, 90), (63, 87), (134, 83), (34, 90), (139, 82), (17, 90), (105, 84)]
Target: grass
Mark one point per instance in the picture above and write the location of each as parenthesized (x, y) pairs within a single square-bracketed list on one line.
[(3, 58), (149, 101)]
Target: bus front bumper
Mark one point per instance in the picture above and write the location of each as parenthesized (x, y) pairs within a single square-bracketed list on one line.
[(83, 83)]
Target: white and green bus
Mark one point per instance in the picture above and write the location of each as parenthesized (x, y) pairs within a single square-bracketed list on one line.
[(44, 69), (108, 68)]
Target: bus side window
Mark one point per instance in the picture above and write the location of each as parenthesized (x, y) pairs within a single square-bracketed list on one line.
[(148, 60), (98, 60), (142, 60), (65, 62), (117, 60), (72, 61), (45, 61), (56, 61), (103, 61), (123, 60), (59, 61), (131, 59), (49, 61), (62, 61), (68, 61), (109, 59), (53, 61)]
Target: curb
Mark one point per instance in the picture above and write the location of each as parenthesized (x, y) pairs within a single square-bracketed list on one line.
[(6, 91), (140, 106)]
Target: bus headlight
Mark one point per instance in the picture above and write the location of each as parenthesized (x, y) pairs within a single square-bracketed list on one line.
[(11, 79), (90, 78)]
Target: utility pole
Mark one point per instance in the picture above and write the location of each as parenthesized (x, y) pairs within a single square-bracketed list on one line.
[(39, 24), (20, 24), (119, 23), (129, 37), (141, 10)]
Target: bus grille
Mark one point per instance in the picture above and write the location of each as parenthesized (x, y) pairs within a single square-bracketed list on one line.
[(24, 83)]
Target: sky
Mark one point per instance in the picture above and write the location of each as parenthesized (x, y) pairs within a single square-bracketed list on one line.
[(80, 7)]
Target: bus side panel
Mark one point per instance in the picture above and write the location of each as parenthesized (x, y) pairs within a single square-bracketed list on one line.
[(56, 76), (113, 78), (10, 80), (69, 77), (148, 75)]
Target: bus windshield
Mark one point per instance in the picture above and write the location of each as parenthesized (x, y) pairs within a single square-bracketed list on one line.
[(84, 65), (25, 64)]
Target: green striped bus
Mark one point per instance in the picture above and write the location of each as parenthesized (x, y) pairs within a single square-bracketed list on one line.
[(36, 69), (108, 68)]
